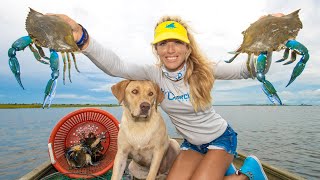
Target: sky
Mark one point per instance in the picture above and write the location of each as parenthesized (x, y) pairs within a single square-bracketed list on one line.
[(127, 26)]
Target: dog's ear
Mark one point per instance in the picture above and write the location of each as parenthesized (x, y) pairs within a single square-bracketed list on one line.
[(160, 95), (119, 89)]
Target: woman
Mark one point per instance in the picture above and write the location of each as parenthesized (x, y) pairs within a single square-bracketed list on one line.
[(186, 77)]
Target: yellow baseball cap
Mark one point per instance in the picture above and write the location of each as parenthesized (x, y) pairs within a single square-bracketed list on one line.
[(170, 30)]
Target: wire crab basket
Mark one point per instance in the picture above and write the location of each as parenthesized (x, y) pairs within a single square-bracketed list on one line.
[(71, 128)]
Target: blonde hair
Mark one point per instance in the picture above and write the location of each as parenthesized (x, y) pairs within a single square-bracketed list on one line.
[(199, 74)]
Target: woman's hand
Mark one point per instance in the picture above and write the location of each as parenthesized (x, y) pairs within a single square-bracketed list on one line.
[(76, 28), (275, 15), (252, 66)]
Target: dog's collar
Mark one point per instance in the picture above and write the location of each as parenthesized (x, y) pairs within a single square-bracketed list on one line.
[(174, 76)]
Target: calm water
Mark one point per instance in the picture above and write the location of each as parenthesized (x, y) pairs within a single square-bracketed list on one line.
[(287, 137)]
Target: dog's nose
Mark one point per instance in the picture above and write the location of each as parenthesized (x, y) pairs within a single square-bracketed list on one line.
[(144, 107)]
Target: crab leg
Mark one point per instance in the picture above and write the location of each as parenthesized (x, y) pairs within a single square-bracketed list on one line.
[(285, 55), (64, 67), (18, 45), (292, 59), (267, 87), (40, 50), (303, 51), (75, 62), (230, 60), (248, 65), (69, 66), (37, 55), (50, 90)]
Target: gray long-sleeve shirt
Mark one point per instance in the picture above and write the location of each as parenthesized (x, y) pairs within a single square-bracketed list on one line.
[(197, 127)]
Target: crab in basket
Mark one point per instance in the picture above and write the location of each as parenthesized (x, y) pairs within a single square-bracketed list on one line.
[(270, 34), (88, 151), (49, 32)]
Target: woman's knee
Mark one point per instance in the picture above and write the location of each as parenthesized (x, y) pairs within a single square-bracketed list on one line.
[(184, 165), (213, 165)]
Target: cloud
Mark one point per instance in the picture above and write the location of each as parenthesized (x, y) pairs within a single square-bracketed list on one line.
[(240, 97), (103, 88), (301, 97), (310, 94)]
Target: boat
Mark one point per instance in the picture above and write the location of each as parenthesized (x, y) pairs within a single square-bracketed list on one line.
[(46, 169)]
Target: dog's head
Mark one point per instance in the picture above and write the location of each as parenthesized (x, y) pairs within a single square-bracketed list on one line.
[(138, 96)]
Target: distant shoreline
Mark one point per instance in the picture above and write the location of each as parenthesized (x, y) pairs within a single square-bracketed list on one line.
[(18, 106), (35, 105)]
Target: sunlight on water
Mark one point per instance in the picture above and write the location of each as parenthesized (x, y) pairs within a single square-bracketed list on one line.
[(286, 137)]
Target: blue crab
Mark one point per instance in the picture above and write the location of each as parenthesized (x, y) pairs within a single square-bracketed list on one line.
[(270, 34), (49, 32), (87, 152), (78, 156)]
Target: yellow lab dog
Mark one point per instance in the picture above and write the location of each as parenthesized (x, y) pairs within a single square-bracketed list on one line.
[(143, 134)]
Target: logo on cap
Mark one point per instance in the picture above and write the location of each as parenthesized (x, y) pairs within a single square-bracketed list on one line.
[(170, 26), (170, 30)]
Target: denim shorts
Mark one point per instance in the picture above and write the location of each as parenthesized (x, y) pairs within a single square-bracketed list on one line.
[(227, 141)]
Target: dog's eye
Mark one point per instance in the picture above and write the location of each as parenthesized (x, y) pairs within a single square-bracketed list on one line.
[(134, 91), (150, 93)]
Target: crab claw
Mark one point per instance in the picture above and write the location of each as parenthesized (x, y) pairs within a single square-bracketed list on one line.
[(296, 71), (22, 43), (18, 45), (49, 92), (267, 87), (51, 97), (271, 92), (15, 68), (300, 49)]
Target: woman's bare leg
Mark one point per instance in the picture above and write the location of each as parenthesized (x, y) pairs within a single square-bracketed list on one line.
[(184, 165), (214, 166)]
